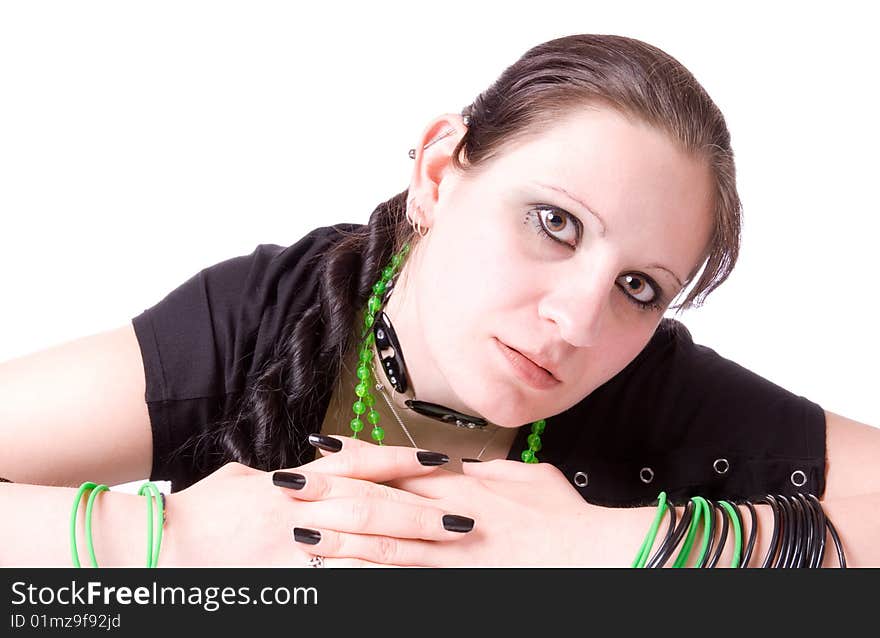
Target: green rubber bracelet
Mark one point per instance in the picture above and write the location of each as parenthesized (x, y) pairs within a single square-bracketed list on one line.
[(737, 533), (685, 552), (645, 550), (708, 514), (82, 488), (154, 508), (98, 489)]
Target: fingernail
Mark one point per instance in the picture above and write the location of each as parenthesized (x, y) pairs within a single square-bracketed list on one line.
[(455, 523), (471, 461), (305, 535), (289, 479), (432, 458), (325, 442)]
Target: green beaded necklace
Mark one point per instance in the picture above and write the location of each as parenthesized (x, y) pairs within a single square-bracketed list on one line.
[(365, 400)]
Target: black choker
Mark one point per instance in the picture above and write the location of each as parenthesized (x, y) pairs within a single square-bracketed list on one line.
[(391, 357)]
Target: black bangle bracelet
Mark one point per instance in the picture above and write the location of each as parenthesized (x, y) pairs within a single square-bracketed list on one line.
[(722, 537), (827, 524), (818, 551), (774, 538), (670, 530), (668, 547), (813, 531), (710, 533), (787, 529), (788, 559), (841, 556), (820, 516), (753, 534), (803, 532)]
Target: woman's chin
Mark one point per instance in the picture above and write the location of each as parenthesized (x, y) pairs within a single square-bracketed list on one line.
[(501, 417)]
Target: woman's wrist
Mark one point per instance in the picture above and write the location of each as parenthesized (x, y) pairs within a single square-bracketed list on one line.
[(171, 537), (611, 536), (37, 528), (119, 530)]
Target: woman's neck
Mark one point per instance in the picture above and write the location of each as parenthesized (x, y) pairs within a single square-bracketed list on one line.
[(426, 382)]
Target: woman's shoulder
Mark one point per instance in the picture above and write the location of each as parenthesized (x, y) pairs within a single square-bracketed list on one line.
[(272, 274), (304, 253)]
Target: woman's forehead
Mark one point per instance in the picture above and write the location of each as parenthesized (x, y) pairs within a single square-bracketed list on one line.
[(609, 165), (577, 145)]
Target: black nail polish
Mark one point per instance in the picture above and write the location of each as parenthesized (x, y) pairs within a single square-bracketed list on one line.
[(455, 523), (305, 535), (291, 480), (325, 442), (432, 458), (471, 461)]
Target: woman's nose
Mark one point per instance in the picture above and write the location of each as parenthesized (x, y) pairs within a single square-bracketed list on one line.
[(580, 306)]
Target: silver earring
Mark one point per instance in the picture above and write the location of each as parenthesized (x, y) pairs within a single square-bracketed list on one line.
[(417, 226), (412, 152)]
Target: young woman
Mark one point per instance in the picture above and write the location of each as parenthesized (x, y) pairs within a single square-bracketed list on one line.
[(508, 306)]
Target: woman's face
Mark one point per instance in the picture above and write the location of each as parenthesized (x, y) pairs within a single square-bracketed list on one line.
[(515, 257)]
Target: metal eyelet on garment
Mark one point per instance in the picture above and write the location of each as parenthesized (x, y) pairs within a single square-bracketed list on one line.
[(580, 479), (646, 474), (721, 466), (798, 478)]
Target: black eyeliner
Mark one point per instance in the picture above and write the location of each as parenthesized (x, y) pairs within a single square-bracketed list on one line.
[(533, 208)]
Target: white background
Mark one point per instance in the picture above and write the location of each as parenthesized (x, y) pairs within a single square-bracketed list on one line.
[(141, 142)]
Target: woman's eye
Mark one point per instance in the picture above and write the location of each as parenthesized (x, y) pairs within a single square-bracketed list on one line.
[(640, 290), (557, 224)]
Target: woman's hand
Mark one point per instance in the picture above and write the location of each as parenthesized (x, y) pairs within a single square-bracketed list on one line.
[(237, 516), (525, 514)]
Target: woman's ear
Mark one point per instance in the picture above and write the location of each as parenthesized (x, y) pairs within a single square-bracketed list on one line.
[(433, 155)]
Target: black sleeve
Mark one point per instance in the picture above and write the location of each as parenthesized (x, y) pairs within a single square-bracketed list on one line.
[(201, 343), (683, 419)]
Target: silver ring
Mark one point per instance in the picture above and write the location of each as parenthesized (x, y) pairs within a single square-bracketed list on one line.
[(798, 478), (316, 561), (721, 466), (417, 226), (646, 474), (581, 479)]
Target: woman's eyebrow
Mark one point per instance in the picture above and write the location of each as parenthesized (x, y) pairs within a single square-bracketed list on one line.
[(674, 276), (577, 201), (595, 214)]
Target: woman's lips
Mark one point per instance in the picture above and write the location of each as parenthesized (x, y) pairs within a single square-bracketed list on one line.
[(525, 369)]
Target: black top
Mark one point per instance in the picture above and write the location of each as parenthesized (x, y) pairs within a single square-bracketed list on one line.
[(678, 418)]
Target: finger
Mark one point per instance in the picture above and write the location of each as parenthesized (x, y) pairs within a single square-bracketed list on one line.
[(385, 518), (330, 444), (437, 485), (499, 476), (505, 470), (318, 486), (374, 550), (377, 463)]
